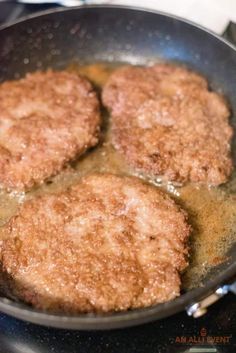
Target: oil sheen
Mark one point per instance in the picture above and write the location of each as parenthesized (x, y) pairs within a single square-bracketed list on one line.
[(212, 211)]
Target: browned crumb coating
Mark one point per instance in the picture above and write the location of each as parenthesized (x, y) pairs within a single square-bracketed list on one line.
[(109, 243), (166, 122), (46, 120)]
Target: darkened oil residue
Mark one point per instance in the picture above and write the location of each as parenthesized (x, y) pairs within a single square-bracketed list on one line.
[(212, 211)]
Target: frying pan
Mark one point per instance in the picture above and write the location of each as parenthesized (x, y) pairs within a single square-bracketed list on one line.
[(121, 34)]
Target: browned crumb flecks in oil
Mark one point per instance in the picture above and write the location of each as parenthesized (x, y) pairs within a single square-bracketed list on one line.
[(212, 213)]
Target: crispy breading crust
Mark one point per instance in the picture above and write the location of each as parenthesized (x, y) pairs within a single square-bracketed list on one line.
[(46, 119), (167, 123), (109, 243)]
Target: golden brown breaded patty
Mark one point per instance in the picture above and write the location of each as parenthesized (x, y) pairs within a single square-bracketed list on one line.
[(108, 243), (46, 119), (167, 123)]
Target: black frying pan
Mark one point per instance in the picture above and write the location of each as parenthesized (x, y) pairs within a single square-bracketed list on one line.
[(95, 33)]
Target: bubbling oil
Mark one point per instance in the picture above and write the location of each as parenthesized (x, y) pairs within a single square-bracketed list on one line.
[(212, 211)]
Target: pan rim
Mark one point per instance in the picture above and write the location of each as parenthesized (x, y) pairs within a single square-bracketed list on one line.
[(120, 7), (127, 318), (114, 320)]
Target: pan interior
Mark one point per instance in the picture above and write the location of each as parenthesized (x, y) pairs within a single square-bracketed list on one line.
[(94, 42)]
